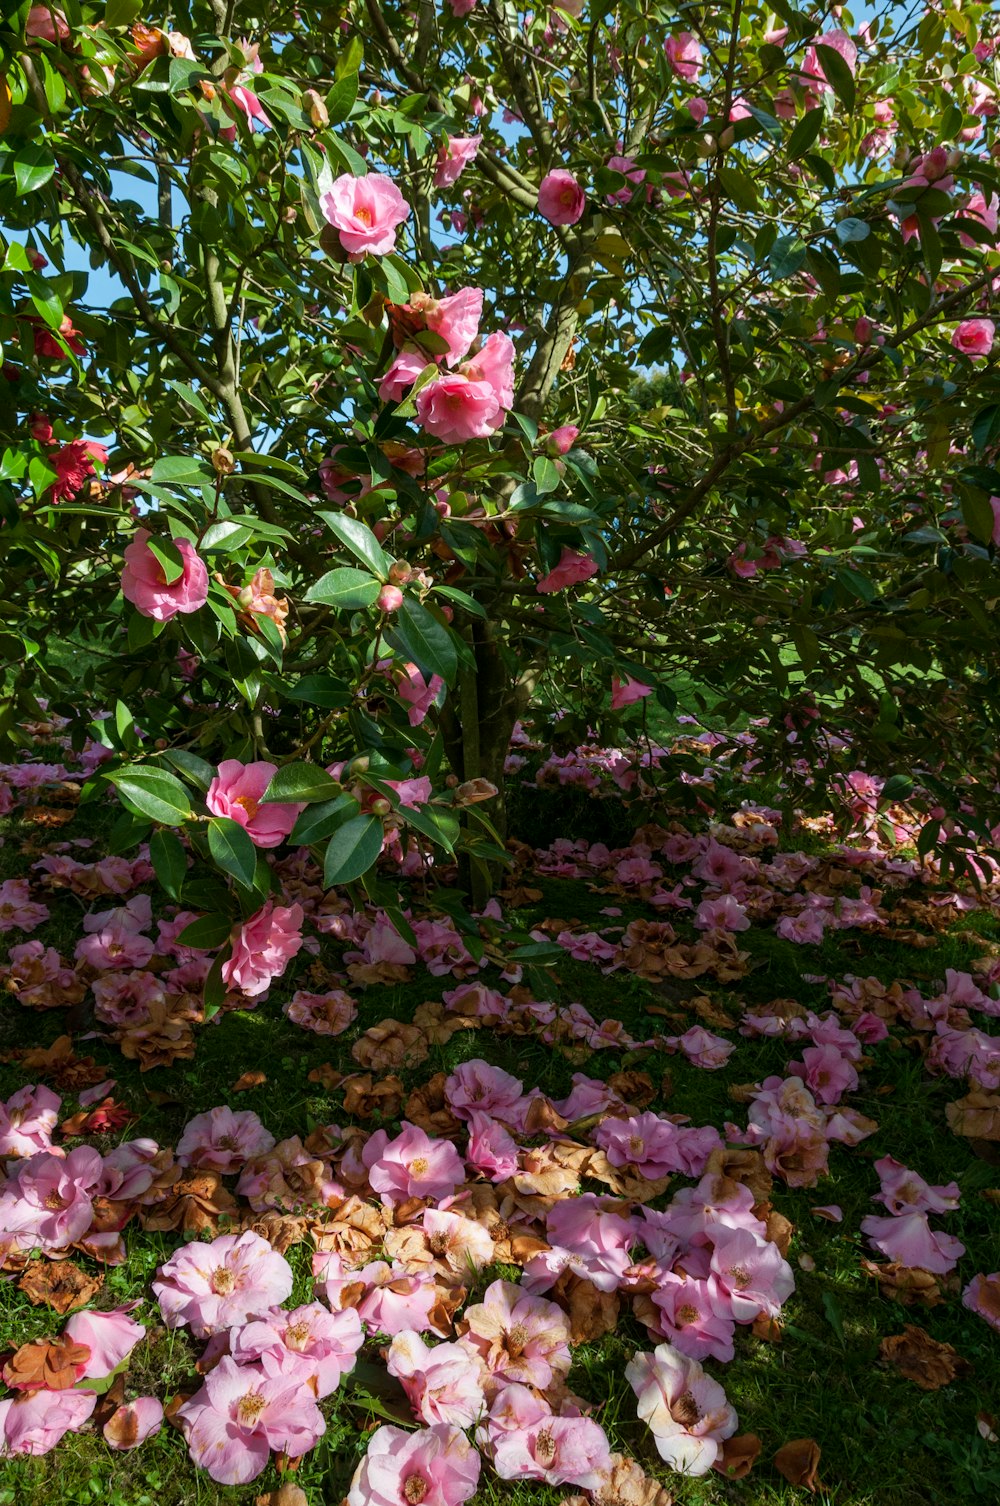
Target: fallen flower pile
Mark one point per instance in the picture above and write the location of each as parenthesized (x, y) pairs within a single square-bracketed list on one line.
[(436, 1246)]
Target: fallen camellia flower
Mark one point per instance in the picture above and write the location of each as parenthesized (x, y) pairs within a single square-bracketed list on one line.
[(907, 1284), (59, 1284), (923, 1360), (133, 1422), (46, 1364)]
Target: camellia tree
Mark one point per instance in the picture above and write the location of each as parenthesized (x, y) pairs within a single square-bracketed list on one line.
[(373, 373)]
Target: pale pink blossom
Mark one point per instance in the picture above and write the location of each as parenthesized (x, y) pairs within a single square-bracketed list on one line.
[(656, 1147), (904, 1191), (695, 1316), (133, 1422), (311, 1343), (47, 1201), (434, 1466), (263, 946), (491, 1148), (686, 1411), (237, 792), (752, 1272), (628, 692), (477, 1085), (33, 1423), (454, 156), (144, 581), (443, 1384), (110, 1337), (558, 1450), (419, 695), (909, 1239), (365, 212), (724, 913), (223, 1139), (327, 1014), (27, 1120), (213, 1286), (241, 1413), (520, 1337), (412, 1165), (18, 911)]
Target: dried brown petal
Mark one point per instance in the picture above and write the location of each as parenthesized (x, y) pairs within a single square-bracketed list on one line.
[(59, 1284), (738, 1457), (798, 1462), (923, 1360)]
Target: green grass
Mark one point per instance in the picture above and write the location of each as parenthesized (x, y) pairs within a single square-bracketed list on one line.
[(884, 1442)]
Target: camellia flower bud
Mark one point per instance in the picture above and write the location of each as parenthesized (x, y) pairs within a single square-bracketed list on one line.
[(315, 107), (381, 807), (399, 572), (390, 599), (223, 463)]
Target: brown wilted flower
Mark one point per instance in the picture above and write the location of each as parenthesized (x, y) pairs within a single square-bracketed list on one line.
[(59, 1284), (439, 1024), (977, 1115), (159, 1041), (798, 1462), (249, 1080), (365, 1096), (46, 1364), (923, 1360), (427, 1108), (592, 1313), (390, 1044), (473, 791), (908, 1285), (195, 1204)]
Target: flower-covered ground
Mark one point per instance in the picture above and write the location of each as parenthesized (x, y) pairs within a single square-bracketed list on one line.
[(677, 1179)]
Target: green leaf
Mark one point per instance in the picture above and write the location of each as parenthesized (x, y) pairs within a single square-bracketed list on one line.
[(232, 849), (546, 476), (352, 850), (169, 862), (206, 933), (425, 640), (344, 589), (153, 793), (978, 515), (224, 536), (431, 823), (805, 133), (182, 470), (896, 787), (300, 784), (197, 770), (838, 74), (320, 690), (121, 13), (359, 539), (33, 167), (318, 822), (169, 556), (986, 427), (342, 97), (214, 991)]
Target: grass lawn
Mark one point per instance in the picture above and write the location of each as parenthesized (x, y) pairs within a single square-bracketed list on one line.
[(884, 1441)]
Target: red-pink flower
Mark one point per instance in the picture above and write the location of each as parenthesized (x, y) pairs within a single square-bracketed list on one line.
[(262, 948), (455, 410), (974, 338), (144, 582), (73, 464), (571, 569), (561, 440), (455, 155), (237, 791), (418, 693), (435, 1466), (47, 24), (365, 212), (48, 348), (241, 1414), (561, 200), (213, 1286)]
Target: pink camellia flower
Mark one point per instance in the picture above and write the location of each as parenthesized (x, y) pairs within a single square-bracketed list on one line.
[(909, 1239), (455, 318), (458, 1244), (695, 1316), (703, 1049), (443, 1384), (476, 1085), (628, 693), (390, 599), (365, 212), (974, 338), (982, 1296), (144, 583), (27, 1120), (752, 1273), (223, 1139), (721, 914), (520, 1337), (571, 569), (34, 1422), (114, 938), (435, 1466), (491, 1149), (109, 1336), (311, 1343), (903, 1191), (561, 200), (455, 155), (262, 948), (133, 1422), (558, 1450), (561, 440), (327, 1014), (631, 173), (237, 791), (213, 1286), (412, 1165), (684, 55), (241, 1413), (656, 1147), (47, 24), (47, 347), (48, 1200), (685, 1410), (455, 410), (418, 693)]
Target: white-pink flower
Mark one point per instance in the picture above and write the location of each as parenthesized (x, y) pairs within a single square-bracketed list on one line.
[(212, 1286), (443, 1383), (223, 1139), (686, 1411)]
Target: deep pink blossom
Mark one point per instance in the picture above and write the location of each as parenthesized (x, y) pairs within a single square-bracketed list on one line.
[(974, 338), (263, 946), (237, 791), (454, 156), (412, 1165), (144, 582), (561, 200), (571, 569)]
